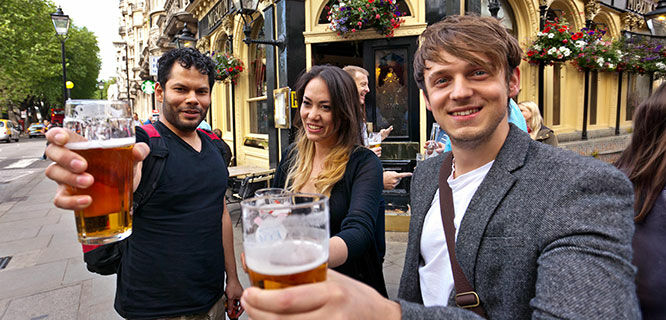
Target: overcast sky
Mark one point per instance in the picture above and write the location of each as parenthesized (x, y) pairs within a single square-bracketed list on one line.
[(100, 17)]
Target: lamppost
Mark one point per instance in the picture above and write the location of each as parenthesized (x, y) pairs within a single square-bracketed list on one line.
[(246, 8), (185, 38), (61, 25), (100, 86)]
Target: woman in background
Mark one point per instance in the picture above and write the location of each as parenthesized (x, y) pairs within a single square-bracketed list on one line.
[(328, 157), (644, 162), (535, 126)]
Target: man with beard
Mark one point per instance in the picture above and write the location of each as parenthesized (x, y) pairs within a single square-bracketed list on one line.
[(537, 231), (174, 262)]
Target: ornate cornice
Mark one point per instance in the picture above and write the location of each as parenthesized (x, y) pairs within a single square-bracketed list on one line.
[(592, 8), (631, 20)]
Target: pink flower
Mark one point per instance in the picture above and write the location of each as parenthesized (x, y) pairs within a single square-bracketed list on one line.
[(360, 23), (353, 30), (377, 16)]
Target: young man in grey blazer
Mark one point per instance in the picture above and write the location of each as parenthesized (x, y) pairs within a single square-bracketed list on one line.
[(542, 233)]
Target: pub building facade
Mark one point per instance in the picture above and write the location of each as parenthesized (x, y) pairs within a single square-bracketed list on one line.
[(245, 111)]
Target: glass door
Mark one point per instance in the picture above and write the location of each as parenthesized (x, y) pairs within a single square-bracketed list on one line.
[(393, 98)]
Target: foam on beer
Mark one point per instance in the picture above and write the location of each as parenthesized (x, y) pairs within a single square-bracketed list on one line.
[(285, 257), (101, 144)]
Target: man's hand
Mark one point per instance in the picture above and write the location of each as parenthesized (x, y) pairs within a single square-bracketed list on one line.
[(339, 297), (69, 168), (392, 178), (385, 132), (233, 290), (377, 151)]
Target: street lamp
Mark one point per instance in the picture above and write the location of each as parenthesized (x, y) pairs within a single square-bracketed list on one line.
[(246, 8), (657, 19), (185, 38), (61, 25), (100, 86)]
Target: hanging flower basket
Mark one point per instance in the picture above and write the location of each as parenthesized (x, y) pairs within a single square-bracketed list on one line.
[(644, 57), (227, 67), (554, 43), (597, 54), (350, 16)]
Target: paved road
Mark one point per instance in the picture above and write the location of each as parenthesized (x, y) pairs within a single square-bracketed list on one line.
[(19, 162), (46, 277)]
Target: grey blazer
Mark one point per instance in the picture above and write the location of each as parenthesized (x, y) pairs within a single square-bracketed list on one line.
[(546, 235)]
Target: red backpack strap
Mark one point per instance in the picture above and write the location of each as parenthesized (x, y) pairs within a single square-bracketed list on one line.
[(89, 247), (150, 130), (211, 135)]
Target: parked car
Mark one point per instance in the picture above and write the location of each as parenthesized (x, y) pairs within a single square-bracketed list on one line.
[(8, 131), (36, 130)]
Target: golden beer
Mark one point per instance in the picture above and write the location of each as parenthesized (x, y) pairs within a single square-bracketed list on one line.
[(266, 281), (107, 219), (286, 263)]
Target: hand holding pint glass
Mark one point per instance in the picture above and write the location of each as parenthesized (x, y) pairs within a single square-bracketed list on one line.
[(107, 133), (285, 239)]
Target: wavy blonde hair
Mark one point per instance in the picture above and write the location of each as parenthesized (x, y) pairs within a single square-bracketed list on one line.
[(345, 106), (536, 121)]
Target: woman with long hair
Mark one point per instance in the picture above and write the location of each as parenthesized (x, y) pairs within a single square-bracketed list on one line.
[(644, 162), (328, 157), (535, 126)]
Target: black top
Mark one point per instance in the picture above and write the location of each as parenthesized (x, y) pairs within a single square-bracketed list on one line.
[(174, 262), (355, 214), (650, 258)]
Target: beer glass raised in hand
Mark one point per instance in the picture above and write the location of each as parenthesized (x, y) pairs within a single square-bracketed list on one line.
[(106, 140), (285, 239)]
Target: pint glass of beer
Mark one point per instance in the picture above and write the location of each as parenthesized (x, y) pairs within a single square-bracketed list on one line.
[(106, 140), (285, 239)]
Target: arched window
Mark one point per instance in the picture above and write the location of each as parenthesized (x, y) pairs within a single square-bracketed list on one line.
[(257, 85), (323, 17), (505, 14)]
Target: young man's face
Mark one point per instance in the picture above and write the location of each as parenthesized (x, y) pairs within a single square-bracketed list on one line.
[(468, 101), (362, 85), (185, 98)]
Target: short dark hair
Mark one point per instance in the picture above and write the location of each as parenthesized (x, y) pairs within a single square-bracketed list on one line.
[(344, 101), (462, 35), (186, 57)]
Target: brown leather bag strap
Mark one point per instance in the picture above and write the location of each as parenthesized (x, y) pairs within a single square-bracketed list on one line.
[(465, 297)]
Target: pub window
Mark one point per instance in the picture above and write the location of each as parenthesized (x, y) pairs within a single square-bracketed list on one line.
[(258, 106), (323, 17), (505, 14)]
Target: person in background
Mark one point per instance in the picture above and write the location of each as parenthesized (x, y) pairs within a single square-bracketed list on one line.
[(328, 157), (204, 125), (390, 179), (135, 119), (535, 126), (644, 162), (227, 150)]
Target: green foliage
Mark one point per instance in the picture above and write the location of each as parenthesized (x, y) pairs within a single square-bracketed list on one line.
[(227, 66), (31, 68)]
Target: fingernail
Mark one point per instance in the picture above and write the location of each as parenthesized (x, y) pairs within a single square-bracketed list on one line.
[(60, 137), (85, 200), (83, 181), (76, 164)]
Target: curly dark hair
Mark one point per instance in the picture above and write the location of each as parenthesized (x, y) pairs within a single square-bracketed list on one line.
[(186, 57)]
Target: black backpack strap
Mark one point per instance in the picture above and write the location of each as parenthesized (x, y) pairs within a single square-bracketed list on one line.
[(152, 167), (222, 146)]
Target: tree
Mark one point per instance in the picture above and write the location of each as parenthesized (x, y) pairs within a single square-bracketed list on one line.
[(31, 69)]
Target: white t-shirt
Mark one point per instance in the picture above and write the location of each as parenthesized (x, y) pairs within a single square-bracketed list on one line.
[(435, 275)]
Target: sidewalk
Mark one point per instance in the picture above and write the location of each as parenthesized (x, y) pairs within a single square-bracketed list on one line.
[(46, 277)]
